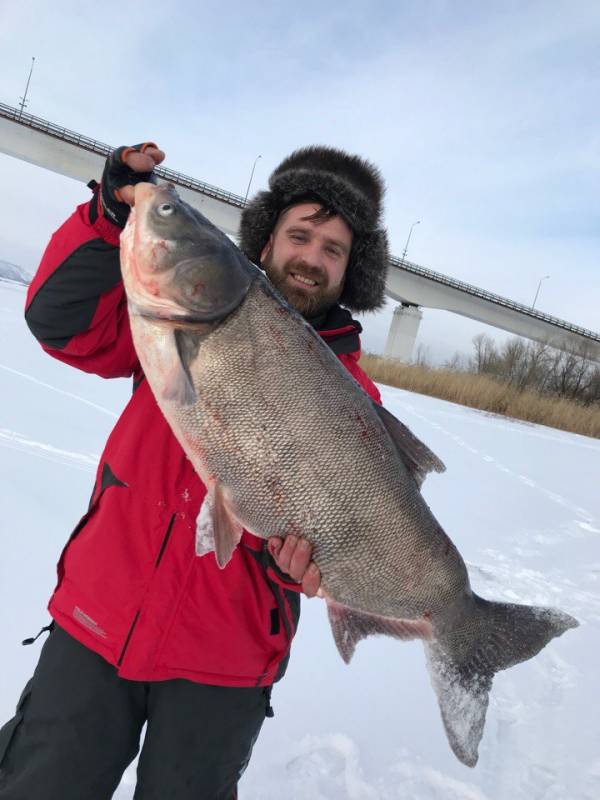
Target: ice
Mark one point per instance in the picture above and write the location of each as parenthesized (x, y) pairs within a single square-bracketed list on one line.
[(520, 502)]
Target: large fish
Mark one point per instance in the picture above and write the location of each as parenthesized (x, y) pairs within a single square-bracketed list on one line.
[(287, 442)]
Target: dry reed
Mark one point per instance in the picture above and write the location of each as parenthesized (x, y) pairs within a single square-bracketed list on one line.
[(485, 393)]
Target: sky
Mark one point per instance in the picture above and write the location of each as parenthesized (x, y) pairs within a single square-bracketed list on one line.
[(482, 118)]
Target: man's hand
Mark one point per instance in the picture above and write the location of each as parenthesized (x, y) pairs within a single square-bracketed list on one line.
[(292, 555), (125, 167)]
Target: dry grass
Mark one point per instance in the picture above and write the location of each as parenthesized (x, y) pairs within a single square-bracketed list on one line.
[(485, 393)]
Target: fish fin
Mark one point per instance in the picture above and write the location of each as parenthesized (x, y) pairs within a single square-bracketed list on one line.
[(462, 663), (463, 704), (205, 533), (227, 530), (217, 530), (417, 457), (179, 387), (349, 626)]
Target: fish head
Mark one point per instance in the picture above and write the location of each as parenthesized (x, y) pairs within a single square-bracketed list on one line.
[(177, 266)]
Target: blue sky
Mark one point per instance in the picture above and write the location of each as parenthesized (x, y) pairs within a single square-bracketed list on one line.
[(483, 118)]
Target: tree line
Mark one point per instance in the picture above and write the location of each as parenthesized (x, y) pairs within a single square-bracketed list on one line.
[(570, 374)]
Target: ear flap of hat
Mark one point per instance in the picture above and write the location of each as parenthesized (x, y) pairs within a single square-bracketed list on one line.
[(256, 224), (364, 287)]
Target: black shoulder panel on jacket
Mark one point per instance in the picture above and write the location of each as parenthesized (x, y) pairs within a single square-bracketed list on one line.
[(347, 340), (344, 343), (66, 303), (338, 317)]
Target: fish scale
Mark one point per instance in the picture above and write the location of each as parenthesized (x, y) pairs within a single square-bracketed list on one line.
[(305, 437)]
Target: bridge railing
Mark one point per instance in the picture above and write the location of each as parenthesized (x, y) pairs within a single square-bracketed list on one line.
[(410, 266), (94, 146)]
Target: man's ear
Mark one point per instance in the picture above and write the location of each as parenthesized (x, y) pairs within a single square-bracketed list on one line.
[(266, 249)]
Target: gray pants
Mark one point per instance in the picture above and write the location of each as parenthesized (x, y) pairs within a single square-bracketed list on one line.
[(78, 727)]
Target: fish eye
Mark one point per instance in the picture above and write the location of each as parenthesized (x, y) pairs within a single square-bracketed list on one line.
[(165, 209)]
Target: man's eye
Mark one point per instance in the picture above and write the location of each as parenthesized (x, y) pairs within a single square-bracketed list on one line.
[(297, 237), (333, 251)]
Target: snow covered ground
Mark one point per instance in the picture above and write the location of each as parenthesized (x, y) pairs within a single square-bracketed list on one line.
[(14, 272), (521, 502)]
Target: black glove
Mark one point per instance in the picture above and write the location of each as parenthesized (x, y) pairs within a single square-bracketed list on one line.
[(117, 174)]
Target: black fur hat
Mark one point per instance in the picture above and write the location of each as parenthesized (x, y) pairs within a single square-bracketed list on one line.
[(348, 185)]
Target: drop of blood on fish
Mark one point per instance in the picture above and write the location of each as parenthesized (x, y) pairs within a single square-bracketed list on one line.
[(364, 432)]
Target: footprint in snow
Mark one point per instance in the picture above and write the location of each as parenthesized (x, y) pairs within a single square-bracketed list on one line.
[(328, 767)]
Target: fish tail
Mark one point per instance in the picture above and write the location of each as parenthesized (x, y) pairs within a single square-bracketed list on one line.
[(462, 663)]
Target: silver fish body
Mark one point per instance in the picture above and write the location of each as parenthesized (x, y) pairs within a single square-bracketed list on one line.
[(286, 442)]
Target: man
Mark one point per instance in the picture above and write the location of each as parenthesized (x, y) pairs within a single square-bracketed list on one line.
[(143, 630)]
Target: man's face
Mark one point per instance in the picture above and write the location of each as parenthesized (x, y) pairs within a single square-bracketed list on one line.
[(306, 259)]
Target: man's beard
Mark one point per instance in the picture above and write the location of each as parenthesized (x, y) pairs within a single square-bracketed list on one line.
[(310, 302)]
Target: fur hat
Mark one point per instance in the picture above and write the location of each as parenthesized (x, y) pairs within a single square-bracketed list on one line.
[(348, 185)]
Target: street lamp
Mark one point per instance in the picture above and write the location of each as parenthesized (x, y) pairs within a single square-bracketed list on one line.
[(23, 99), (251, 176), (538, 290), (408, 238)]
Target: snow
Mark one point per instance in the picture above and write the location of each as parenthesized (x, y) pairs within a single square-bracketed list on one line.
[(521, 503), (12, 272)]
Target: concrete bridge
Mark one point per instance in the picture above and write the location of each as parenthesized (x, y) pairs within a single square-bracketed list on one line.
[(52, 147)]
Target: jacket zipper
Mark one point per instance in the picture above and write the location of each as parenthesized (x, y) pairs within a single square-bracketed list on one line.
[(126, 645), (135, 619), (164, 541)]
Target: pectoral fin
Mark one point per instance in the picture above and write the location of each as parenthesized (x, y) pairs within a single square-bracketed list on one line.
[(179, 387), (217, 529), (205, 533)]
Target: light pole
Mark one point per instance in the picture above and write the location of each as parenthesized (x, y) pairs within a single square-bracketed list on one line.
[(23, 99), (251, 176), (408, 238), (538, 291)]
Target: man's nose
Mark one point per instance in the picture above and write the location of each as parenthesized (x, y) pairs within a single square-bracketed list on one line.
[(312, 254)]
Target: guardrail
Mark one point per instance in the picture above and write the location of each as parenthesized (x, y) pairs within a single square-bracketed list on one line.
[(178, 178), (410, 266), (102, 149)]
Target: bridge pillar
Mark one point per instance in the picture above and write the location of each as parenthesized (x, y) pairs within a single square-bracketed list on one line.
[(403, 332)]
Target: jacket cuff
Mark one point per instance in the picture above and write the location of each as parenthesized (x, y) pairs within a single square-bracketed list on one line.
[(282, 579), (104, 228)]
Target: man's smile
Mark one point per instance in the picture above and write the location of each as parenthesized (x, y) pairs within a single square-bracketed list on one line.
[(302, 279)]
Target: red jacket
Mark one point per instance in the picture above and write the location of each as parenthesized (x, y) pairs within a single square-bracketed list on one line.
[(130, 586)]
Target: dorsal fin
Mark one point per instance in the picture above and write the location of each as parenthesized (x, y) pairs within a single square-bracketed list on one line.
[(417, 457)]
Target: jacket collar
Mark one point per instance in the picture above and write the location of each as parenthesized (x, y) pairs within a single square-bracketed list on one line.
[(340, 331)]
